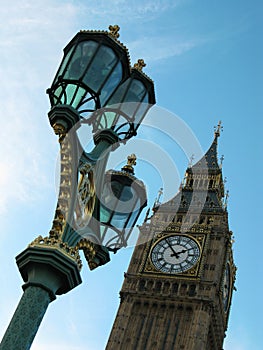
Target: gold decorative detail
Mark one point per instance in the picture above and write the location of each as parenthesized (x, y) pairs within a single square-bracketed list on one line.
[(114, 31), (50, 242), (59, 130), (65, 190), (58, 224), (140, 64), (89, 250), (131, 162), (194, 272), (86, 196)]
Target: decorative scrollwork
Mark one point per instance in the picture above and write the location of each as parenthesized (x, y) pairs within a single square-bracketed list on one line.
[(95, 254), (88, 249), (86, 197)]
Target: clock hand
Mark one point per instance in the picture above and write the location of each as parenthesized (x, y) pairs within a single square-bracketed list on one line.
[(183, 251), (171, 247), (178, 253)]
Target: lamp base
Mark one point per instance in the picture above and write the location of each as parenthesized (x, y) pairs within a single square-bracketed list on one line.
[(62, 118), (49, 268)]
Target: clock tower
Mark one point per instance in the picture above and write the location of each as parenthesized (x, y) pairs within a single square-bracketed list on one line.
[(177, 290)]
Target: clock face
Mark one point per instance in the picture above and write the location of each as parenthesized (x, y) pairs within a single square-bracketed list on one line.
[(226, 287), (175, 254)]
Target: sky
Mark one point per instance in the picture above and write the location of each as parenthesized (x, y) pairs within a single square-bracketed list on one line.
[(205, 58)]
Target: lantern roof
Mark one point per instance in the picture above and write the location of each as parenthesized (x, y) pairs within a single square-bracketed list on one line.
[(112, 34)]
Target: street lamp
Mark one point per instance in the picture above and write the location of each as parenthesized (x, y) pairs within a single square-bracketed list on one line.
[(122, 199), (96, 212)]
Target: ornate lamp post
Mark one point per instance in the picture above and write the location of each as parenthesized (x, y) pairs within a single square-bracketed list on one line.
[(95, 211)]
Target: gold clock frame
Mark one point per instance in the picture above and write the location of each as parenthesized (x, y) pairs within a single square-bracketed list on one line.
[(147, 266)]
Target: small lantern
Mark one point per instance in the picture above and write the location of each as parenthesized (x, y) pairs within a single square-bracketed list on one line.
[(127, 106), (93, 66), (122, 200)]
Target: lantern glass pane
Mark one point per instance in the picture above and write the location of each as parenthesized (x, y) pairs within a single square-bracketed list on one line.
[(127, 98), (58, 96), (141, 111), (117, 203), (105, 214), (108, 202), (113, 120), (124, 206), (111, 84), (133, 216), (136, 91), (119, 94), (83, 55), (100, 68), (65, 63), (74, 94), (107, 120)]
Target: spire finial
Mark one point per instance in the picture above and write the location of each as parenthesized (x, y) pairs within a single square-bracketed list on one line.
[(191, 161), (160, 192), (114, 31), (139, 65), (157, 200), (131, 161), (218, 129)]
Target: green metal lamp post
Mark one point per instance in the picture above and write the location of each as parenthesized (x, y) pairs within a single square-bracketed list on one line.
[(95, 212)]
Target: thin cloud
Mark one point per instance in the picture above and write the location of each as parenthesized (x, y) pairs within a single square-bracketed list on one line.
[(130, 10), (157, 48)]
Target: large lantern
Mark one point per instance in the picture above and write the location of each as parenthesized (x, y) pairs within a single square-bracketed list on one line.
[(93, 66)]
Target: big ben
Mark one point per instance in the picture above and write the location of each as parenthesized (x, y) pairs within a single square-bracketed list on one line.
[(178, 288)]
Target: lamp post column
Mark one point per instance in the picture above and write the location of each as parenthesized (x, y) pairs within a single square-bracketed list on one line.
[(26, 319)]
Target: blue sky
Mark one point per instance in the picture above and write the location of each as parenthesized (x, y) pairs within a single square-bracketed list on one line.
[(205, 58)]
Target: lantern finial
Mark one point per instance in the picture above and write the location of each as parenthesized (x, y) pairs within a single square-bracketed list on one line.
[(114, 31), (131, 161), (139, 65)]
